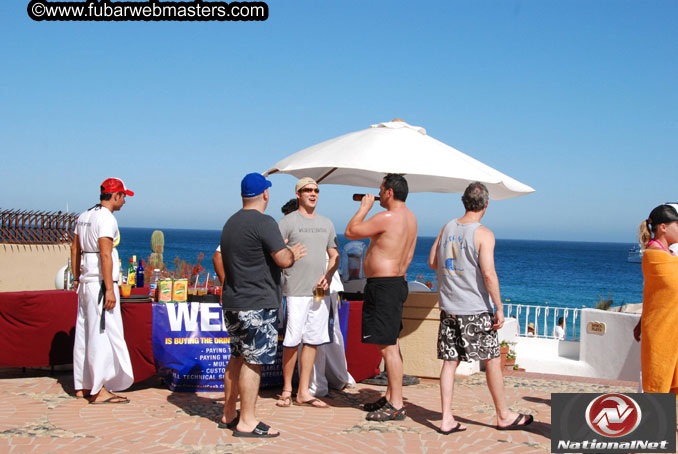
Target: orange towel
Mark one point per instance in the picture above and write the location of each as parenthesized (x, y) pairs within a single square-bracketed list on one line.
[(659, 335)]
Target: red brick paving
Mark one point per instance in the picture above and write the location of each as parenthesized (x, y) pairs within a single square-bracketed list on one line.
[(38, 415)]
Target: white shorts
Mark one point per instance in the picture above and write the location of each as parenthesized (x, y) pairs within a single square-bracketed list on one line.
[(308, 321)]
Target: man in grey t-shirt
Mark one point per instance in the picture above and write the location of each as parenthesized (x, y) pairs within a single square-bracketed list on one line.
[(308, 312), (463, 255)]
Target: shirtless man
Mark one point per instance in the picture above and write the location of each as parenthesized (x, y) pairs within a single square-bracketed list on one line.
[(393, 235)]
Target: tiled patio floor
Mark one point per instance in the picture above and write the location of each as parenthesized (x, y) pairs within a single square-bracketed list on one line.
[(39, 415)]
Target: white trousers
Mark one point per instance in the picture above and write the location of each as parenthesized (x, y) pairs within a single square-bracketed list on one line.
[(329, 368), (100, 357)]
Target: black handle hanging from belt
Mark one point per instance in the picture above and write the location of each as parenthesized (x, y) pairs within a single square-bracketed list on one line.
[(102, 300)]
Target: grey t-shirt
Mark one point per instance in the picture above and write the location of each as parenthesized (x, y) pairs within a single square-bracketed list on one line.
[(318, 235), (252, 276)]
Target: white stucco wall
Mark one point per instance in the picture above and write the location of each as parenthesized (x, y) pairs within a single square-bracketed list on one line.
[(508, 332), (551, 356), (614, 355)]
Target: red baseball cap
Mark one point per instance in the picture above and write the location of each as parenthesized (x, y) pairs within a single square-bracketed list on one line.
[(112, 185)]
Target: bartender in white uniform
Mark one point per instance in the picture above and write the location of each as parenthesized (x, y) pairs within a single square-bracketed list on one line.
[(101, 362)]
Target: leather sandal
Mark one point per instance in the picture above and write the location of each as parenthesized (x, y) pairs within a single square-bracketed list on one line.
[(372, 406), (284, 401), (387, 413)]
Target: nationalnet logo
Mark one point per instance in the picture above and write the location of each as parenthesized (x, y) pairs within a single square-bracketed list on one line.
[(612, 423), (613, 415)]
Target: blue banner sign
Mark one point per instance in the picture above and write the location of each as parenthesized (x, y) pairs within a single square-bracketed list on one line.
[(191, 348)]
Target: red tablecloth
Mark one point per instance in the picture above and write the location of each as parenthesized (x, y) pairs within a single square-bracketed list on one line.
[(137, 319), (362, 359), (37, 329)]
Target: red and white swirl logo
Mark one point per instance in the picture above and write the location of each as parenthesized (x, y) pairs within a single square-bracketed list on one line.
[(613, 415)]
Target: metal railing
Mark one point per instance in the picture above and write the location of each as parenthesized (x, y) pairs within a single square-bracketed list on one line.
[(36, 227), (545, 319)]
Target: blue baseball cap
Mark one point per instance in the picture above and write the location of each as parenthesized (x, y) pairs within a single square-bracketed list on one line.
[(254, 184)]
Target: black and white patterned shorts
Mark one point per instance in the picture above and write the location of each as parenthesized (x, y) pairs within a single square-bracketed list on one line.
[(467, 337), (254, 334)]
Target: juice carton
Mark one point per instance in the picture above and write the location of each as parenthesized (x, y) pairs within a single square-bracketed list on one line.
[(165, 290), (180, 291)]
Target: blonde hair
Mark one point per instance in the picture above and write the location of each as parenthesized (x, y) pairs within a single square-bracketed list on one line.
[(644, 233)]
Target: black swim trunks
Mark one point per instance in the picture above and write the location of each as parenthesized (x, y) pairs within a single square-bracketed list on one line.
[(383, 309)]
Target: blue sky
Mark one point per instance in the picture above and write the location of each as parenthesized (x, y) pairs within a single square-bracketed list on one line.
[(577, 99)]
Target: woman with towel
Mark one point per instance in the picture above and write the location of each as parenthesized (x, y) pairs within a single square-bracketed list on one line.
[(659, 321)]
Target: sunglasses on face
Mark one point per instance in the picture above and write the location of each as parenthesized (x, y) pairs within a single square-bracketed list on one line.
[(308, 190)]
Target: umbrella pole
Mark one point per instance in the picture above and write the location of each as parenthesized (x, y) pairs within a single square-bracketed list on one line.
[(319, 180)]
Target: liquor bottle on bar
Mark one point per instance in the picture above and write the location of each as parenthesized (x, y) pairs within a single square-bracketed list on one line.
[(130, 273), (140, 274), (359, 197)]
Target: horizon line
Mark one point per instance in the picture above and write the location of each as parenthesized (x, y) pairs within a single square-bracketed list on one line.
[(418, 236)]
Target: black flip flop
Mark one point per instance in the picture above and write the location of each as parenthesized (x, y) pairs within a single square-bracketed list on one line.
[(230, 425), (261, 431), (456, 428), (515, 426)]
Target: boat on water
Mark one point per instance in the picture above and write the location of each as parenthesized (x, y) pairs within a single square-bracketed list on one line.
[(635, 254)]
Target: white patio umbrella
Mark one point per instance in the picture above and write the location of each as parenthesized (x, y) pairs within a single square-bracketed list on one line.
[(364, 157)]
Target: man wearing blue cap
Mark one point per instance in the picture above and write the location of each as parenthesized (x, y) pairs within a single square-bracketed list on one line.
[(253, 253)]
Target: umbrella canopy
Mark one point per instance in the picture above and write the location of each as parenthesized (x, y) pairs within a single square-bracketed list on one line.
[(364, 157)]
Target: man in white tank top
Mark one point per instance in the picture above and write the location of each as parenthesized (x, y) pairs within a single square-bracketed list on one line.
[(463, 256)]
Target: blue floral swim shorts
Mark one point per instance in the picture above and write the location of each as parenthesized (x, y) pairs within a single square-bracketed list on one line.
[(254, 334)]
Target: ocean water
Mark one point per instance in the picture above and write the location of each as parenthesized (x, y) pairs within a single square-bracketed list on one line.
[(557, 273)]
